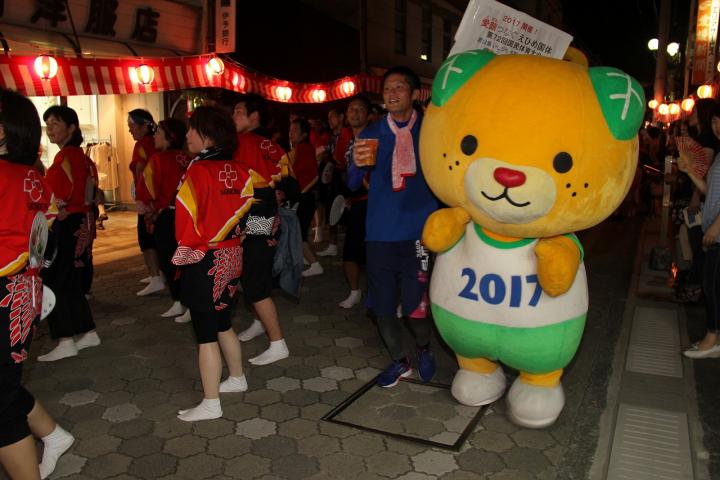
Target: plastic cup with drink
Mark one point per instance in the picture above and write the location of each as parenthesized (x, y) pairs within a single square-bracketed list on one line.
[(365, 153)]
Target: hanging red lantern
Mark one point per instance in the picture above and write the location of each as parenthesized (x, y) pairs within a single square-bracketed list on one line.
[(238, 81), (687, 104), (652, 104), (663, 109), (283, 94), (705, 91), (214, 66), (318, 95), (347, 87), (144, 74), (46, 67)]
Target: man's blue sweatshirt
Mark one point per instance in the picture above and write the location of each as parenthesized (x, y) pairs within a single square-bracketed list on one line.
[(395, 216)]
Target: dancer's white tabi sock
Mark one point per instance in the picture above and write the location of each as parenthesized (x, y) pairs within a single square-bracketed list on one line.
[(176, 309), (234, 385), (277, 351), (208, 409), (55, 444), (352, 299), (255, 329), (90, 339), (65, 348)]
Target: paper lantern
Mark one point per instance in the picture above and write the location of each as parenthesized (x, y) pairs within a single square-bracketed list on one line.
[(238, 81), (663, 109), (46, 67), (145, 74), (283, 94), (318, 95), (652, 104), (214, 66), (705, 91), (348, 87), (687, 104), (674, 109)]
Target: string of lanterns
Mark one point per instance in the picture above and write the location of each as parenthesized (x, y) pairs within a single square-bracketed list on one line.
[(672, 111), (235, 77)]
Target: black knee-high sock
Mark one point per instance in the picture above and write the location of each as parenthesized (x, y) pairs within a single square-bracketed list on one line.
[(422, 329), (390, 329)]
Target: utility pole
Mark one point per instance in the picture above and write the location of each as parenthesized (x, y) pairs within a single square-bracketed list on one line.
[(660, 85), (211, 25), (363, 35), (688, 43), (661, 57)]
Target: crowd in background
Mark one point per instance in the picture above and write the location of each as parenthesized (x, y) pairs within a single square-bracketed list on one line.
[(224, 211), (227, 211), (679, 159)]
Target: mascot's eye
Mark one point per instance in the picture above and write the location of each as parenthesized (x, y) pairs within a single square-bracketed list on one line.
[(468, 144), (562, 162)]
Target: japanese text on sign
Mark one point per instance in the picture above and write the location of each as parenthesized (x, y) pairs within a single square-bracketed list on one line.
[(225, 26), (493, 26)]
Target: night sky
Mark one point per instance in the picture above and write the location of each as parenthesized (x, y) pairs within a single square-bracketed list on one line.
[(615, 33), (298, 43)]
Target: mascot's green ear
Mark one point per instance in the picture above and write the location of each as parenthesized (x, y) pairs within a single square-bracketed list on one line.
[(457, 70), (621, 98)]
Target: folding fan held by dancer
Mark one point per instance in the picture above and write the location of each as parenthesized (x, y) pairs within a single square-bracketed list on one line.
[(698, 157)]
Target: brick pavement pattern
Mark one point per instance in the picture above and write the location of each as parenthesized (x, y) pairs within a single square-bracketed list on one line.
[(120, 399)]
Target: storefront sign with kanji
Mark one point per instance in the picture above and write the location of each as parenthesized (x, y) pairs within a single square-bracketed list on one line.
[(706, 41), (225, 26), (162, 23)]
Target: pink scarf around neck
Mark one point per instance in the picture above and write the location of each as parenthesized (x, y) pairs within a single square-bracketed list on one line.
[(403, 159)]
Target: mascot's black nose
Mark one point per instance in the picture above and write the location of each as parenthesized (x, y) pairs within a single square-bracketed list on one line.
[(509, 178)]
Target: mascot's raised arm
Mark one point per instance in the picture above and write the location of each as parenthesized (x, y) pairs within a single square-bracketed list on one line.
[(524, 150)]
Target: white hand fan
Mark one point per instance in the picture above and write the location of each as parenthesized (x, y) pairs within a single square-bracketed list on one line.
[(337, 209)]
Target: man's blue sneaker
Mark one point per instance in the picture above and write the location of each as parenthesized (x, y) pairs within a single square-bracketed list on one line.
[(394, 372), (425, 363)]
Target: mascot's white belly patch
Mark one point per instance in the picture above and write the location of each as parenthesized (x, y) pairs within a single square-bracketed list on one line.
[(487, 281)]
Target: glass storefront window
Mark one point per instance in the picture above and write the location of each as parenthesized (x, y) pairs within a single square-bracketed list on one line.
[(86, 108), (47, 150)]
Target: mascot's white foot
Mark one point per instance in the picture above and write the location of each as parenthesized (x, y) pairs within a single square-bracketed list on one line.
[(534, 407), (475, 389)]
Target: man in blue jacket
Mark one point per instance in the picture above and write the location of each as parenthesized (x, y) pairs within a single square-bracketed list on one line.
[(399, 202)]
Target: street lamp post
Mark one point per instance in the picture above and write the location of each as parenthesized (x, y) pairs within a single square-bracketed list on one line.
[(659, 95)]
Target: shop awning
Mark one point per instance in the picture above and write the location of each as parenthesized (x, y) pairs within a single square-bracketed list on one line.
[(88, 76)]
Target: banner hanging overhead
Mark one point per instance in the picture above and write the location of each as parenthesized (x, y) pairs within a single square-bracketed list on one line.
[(706, 41), (490, 25)]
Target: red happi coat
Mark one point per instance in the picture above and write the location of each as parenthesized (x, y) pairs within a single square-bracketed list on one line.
[(143, 150), (339, 145), (303, 166), (260, 157), (213, 198), (160, 179), (23, 194), (71, 177), (319, 140)]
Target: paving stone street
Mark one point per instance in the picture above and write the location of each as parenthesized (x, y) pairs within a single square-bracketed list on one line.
[(120, 399)]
